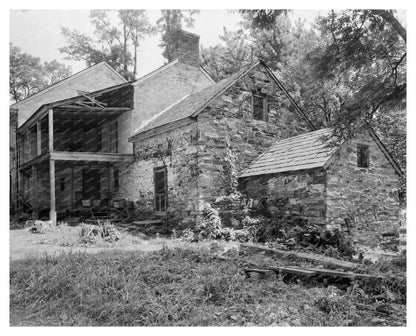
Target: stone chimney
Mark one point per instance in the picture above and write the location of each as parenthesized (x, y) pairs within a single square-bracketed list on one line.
[(187, 48)]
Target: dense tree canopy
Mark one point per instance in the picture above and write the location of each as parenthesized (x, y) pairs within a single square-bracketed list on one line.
[(170, 21), (346, 71), (222, 61), (28, 75), (115, 44)]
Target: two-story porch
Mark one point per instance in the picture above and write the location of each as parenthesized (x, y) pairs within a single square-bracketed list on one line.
[(68, 152)]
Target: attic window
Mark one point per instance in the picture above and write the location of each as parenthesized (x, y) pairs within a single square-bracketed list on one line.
[(363, 156), (259, 107)]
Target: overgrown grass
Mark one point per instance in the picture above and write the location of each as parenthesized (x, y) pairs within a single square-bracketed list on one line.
[(169, 287)]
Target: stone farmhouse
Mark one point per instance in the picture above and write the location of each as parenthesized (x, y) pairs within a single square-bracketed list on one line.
[(174, 140)]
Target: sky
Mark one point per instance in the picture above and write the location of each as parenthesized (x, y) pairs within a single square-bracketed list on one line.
[(38, 32)]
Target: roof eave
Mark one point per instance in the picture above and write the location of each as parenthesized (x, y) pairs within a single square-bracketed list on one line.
[(161, 129)]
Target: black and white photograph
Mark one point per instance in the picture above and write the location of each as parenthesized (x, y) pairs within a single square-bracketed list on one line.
[(207, 167)]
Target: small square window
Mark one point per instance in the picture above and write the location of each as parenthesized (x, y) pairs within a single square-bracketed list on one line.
[(259, 107), (363, 156)]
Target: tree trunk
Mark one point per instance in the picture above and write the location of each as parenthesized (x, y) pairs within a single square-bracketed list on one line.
[(389, 17), (136, 45)]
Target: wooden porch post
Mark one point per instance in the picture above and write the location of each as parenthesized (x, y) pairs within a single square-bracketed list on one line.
[(39, 138), (72, 188), (35, 192), (52, 213)]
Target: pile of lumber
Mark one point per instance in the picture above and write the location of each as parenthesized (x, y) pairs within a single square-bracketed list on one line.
[(330, 270)]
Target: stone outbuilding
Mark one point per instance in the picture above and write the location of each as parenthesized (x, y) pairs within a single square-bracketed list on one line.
[(307, 179)]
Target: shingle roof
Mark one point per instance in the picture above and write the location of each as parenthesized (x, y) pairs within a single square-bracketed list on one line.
[(304, 151), (193, 103)]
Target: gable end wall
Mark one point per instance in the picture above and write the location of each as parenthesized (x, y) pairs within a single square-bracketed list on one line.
[(363, 201), (230, 139)]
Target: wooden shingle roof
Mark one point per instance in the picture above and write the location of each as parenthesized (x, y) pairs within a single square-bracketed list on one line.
[(304, 151), (191, 104)]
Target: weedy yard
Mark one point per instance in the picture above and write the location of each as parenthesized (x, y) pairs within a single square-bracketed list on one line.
[(169, 282)]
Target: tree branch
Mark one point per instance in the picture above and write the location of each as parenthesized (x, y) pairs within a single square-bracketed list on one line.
[(389, 17)]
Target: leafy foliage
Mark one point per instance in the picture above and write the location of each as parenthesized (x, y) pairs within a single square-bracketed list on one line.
[(28, 75), (115, 44), (168, 24), (222, 61), (370, 56)]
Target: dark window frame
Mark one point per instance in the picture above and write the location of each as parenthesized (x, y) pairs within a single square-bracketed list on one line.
[(264, 108), (363, 156), (160, 195)]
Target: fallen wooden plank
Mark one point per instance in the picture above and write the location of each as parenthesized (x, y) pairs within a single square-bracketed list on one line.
[(329, 272), (148, 222), (329, 262), (258, 270), (296, 270)]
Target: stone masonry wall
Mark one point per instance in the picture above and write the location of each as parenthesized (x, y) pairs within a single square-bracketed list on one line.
[(179, 152), (363, 201), (230, 139), (294, 197)]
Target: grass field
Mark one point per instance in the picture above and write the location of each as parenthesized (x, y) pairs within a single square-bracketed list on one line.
[(166, 282)]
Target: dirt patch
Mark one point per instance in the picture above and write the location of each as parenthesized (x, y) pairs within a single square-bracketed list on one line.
[(66, 239)]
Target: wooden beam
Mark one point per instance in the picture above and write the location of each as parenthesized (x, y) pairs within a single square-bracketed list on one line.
[(110, 180), (36, 160), (39, 137), (35, 192), (50, 129), (91, 156), (52, 212), (27, 145), (72, 188)]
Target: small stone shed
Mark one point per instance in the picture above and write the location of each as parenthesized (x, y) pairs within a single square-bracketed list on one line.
[(352, 187)]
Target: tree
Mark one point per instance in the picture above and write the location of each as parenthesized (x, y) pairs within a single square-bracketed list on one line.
[(168, 24), (28, 75), (370, 53), (222, 61), (55, 71), (115, 44)]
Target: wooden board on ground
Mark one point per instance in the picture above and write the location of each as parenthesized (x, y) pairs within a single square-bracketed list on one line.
[(148, 222), (329, 262)]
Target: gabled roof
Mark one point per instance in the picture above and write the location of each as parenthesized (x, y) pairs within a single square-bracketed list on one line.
[(43, 109), (194, 103), (65, 80), (304, 151)]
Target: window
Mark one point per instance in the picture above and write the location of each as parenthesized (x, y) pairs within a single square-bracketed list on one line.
[(160, 180), (363, 157), (259, 106)]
